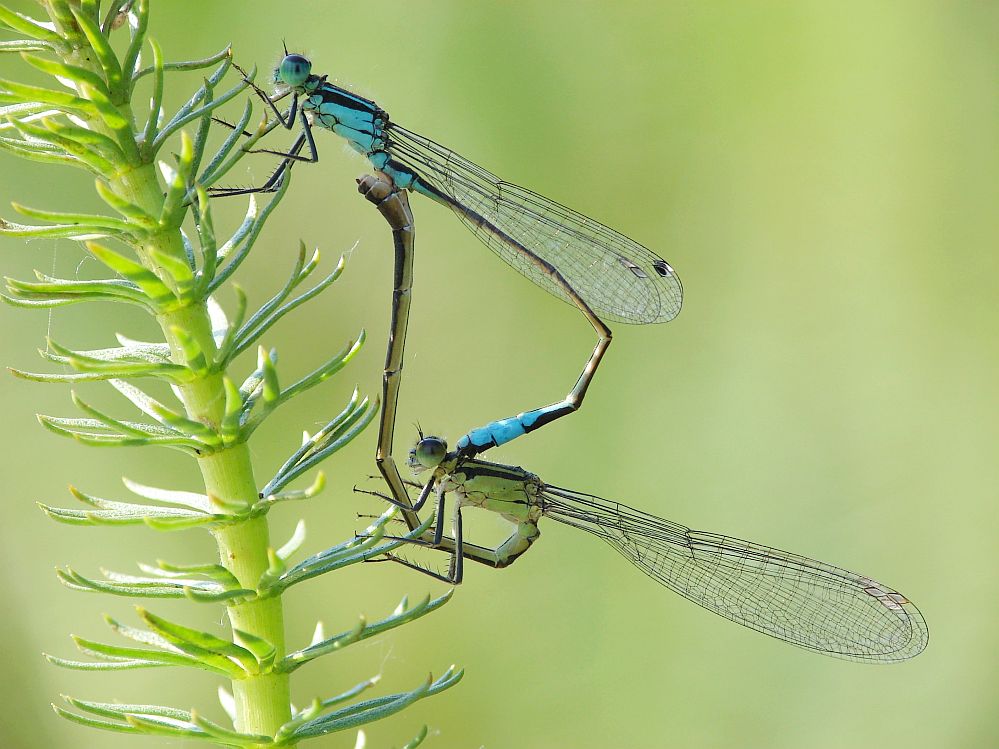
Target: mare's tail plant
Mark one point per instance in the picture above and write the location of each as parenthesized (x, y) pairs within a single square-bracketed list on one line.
[(162, 256)]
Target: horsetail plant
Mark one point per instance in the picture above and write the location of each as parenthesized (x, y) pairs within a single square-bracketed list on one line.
[(164, 257)]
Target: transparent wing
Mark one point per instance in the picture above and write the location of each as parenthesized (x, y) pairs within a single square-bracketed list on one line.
[(618, 278), (804, 602)]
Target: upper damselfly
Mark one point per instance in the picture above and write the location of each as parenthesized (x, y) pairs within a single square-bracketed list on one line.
[(802, 601), (603, 273)]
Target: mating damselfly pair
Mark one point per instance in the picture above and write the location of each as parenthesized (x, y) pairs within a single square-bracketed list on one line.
[(606, 276)]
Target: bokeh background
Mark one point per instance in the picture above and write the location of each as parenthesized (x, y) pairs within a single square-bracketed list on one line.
[(823, 176)]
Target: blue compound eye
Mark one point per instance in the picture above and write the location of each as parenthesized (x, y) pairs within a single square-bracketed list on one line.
[(294, 70), (430, 451)]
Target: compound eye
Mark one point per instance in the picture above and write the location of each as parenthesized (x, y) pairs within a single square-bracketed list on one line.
[(294, 70), (430, 451)]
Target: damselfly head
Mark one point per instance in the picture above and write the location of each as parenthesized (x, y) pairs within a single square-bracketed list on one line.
[(428, 453), (293, 71)]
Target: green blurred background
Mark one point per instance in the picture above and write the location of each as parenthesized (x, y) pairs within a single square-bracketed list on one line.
[(825, 179)]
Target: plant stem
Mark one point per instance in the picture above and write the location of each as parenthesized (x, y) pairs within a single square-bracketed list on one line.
[(263, 702)]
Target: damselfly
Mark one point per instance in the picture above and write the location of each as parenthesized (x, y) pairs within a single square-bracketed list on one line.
[(603, 273), (802, 601)]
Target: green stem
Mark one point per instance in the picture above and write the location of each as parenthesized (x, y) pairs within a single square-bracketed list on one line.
[(263, 702)]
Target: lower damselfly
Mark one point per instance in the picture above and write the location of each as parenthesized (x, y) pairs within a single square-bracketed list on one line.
[(808, 603), (601, 272)]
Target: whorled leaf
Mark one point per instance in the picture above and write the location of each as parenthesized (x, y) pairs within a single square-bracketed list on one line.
[(402, 615)]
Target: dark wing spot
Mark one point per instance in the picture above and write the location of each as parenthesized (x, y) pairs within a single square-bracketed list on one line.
[(662, 268), (631, 266)]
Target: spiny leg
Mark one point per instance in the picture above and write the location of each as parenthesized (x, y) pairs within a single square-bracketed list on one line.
[(456, 571), (407, 482), (294, 153), (288, 118), (421, 500), (502, 555), (274, 182)]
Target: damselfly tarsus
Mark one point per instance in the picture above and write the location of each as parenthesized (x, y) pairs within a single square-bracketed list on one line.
[(802, 601), (601, 272)]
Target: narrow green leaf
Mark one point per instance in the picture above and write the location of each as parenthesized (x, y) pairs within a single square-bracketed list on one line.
[(225, 344), (194, 355), (318, 484), (229, 429), (203, 646), (38, 304), (134, 213), (207, 244), (104, 224), (322, 373), (113, 363), (272, 390), (35, 29), (141, 636), (124, 664), (360, 551), (61, 288), (27, 111), (311, 444), (191, 500), (226, 736), (238, 251), (60, 13), (13, 46), (400, 616), (176, 270), (68, 72), (175, 204), (94, 433), (98, 141), (213, 170), (133, 352), (347, 431), (121, 513), (105, 54), (317, 707), (131, 59), (271, 312), (417, 739), (372, 710), (94, 723), (159, 657), (113, 709), (39, 152), (188, 113), (69, 231), (294, 543), (274, 397), (200, 144), (156, 104), (205, 62), (275, 301), (176, 423), (132, 586), (263, 651), (145, 279), (63, 140), (19, 92)]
